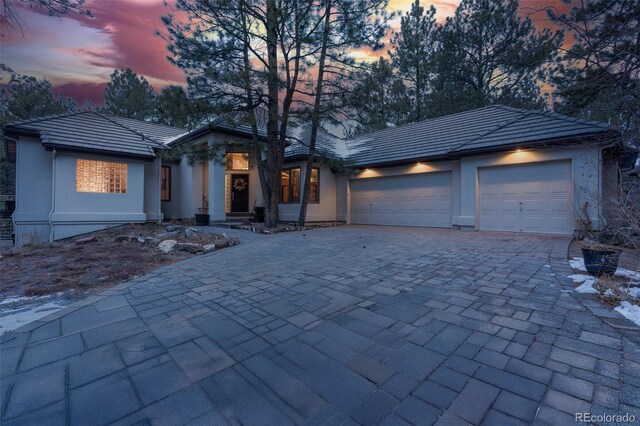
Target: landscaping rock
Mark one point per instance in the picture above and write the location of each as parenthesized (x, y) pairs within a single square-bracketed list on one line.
[(167, 245), (168, 234), (148, 240), (124, 238), (189, 247), (188, 232), (86, 240), (209, 248), (172, 228)]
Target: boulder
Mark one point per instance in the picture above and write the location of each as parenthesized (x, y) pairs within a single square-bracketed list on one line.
[(167, 245), (86, 240), (209, 248), (124, 238), (188, 232), (189, 247)]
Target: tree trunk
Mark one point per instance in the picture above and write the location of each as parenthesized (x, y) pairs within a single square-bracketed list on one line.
[(315, 116), (271, 173)]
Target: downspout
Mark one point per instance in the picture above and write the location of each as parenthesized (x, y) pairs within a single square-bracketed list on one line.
[(160, 190), (13, 219), (53, 196)]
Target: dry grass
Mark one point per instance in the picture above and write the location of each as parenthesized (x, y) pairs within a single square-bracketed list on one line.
[(64, 265)]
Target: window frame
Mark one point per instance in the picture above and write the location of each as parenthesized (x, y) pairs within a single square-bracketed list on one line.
[(317, 201), (290, 186), (163, 168)]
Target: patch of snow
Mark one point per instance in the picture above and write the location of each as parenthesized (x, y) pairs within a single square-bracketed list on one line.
[(12, 319), (633, 291), (546, 266), (579, 278), (625, 273), (587, 287), (578, 264), (609, 293), (16, 299), (630, 312)]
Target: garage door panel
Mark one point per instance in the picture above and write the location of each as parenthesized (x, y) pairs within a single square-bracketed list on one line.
[(408, 200), (534, 197)]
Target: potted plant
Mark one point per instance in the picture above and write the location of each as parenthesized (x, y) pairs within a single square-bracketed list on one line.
[(601, 259), (202, 217)]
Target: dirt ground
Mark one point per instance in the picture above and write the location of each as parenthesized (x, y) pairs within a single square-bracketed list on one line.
[(93, 266)]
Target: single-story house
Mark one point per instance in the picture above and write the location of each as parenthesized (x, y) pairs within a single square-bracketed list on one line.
[(495, 168)]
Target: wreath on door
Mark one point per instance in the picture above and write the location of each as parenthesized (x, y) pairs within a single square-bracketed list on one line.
[(240, 184)]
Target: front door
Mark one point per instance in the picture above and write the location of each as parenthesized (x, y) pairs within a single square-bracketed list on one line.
[(239, 193)]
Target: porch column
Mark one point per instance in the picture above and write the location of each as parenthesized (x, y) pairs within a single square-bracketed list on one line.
[(216, 186)]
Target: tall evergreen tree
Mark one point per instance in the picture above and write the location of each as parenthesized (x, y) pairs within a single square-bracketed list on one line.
[(380, 99), (24, 97), (129, 95), (173, 106), (599, 75), (488, 54), (27, 97), (414, 46)]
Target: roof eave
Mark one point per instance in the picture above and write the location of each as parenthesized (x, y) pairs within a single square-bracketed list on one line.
[(52, 146), (454, 155)]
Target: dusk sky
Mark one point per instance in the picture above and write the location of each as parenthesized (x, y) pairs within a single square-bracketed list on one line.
[(77, 53)]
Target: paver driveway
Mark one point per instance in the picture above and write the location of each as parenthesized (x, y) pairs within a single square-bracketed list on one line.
[(333, 326)]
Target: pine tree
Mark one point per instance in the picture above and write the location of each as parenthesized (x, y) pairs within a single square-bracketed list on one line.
[(380, 100), (173, 106), (129, 95), (414, 46), (488, 54)]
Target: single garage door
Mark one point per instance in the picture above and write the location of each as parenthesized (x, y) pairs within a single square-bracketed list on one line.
[(534, 197), (408, 200)]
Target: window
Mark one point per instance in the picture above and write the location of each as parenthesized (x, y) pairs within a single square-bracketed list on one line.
[(314, 190), (290, 186), (101, 176), (237, 161), (165, 183)]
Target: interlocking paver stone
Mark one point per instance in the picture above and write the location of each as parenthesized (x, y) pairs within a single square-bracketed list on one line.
[(423, 326)]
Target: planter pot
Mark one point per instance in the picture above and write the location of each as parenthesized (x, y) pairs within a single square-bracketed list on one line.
[(259, 214), (599, 262), (202, 219)]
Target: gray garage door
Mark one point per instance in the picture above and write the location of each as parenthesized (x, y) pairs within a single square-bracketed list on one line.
[(408, 200), (534, 197)]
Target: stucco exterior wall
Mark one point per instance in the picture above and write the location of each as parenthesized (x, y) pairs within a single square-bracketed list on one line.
[(152, 205), (33, 189), (325, 210), (46, 196)]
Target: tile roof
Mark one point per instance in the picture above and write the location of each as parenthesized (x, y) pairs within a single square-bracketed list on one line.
[(90, 131), (326, 143), (486, 128)]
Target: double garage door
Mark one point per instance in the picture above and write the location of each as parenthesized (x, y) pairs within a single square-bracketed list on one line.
[(535, 197), (408, 200)]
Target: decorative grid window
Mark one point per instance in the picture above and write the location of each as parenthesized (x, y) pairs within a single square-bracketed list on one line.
[(165, 184), (101, 176), (237, 161), (290, 186), (227, 194), (314, 190)]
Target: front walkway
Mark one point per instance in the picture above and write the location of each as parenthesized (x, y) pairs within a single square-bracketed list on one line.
[(332, 326)]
